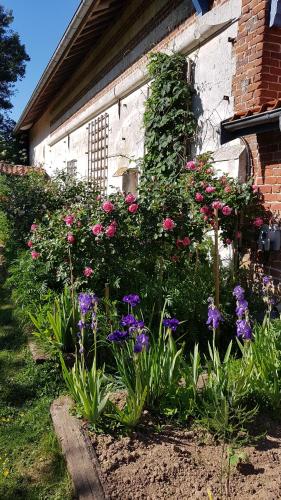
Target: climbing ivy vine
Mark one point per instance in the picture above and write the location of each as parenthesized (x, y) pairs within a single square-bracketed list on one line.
[(168, 119)]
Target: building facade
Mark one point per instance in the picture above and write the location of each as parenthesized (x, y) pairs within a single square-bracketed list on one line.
[(87, 117)]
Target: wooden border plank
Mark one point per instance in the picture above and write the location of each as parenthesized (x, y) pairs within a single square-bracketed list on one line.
[(81, 459)]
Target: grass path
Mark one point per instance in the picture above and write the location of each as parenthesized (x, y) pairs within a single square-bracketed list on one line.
[(31, 465)]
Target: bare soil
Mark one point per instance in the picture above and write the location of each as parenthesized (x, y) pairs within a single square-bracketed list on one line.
[(183, 464)]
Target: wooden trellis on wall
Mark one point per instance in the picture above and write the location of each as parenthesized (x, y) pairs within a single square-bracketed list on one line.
[(98, 152)]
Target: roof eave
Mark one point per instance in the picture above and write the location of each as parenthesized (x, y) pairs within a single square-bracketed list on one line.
[(78, 16), (254, 124)]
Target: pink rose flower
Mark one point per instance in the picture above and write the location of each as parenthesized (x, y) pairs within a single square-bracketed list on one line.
[(255, 188), (209, 171), (35, 255), (34, 227), (69, 219), (111, 230), (107, 207), (227, 189), (79, 223), (133, 208), (168, 224), (70, 238), (258, 222), (30, 244), (88, 271), (217, 205), (210, 189), (186, 241), (97, 229), (190, 165), (199, 197), (130, 198), (226, 210), (228, 241), (205, 210)]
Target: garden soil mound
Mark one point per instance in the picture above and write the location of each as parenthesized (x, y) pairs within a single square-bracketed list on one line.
[(184, 464)]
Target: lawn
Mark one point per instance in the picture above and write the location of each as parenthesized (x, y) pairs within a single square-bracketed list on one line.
[(31, 464)]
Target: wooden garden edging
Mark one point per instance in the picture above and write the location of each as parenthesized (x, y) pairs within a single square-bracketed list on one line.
[(80, 456)]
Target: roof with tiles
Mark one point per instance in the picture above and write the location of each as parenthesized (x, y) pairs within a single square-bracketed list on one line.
[(8, 169), (267, 106)]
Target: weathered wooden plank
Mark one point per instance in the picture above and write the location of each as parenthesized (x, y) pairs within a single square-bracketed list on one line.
[(38, 355), (81, 459)]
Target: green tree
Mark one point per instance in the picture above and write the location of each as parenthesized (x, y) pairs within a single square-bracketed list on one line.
[(13, 59)]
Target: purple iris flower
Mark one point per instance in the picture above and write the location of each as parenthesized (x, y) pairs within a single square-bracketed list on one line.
[(239, 292), (214, 317), (171, 323), (242, 307), (128, 320), (139, 325), (81, 324), (244, 329), (142, 342), (86, 301), (131, 299), (266, 280), (118, 336)]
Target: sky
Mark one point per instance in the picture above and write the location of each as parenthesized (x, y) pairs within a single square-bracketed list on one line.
[(40, 24)]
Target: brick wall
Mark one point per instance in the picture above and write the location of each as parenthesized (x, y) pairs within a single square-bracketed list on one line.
[(258, 57), (266, 160)]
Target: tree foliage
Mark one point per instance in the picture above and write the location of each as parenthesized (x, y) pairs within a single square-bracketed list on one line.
[(12, 58), (12, 68)]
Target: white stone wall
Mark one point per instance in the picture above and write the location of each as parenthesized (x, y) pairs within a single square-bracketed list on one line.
[(214, 67)]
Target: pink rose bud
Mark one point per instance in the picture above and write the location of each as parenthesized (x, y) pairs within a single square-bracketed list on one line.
[(190, 165), (205, 210), (168, 224), (79, 223), (30, 244), (209, 171), (217, 205), (33, 227), (97, 229), (69, 219), (175, 258), (98, 198), (228, 241), (88, 271), (110, 231), (133, 208), (226, 210), (107, 207), (238, 235), (70, 238), (199, 197), (255, 188), (130, 198), (258, 222), (186, 241), (227, 189), (35, 255), (210, 189)]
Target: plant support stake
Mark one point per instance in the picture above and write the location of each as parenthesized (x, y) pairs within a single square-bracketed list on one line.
[(216, 261)]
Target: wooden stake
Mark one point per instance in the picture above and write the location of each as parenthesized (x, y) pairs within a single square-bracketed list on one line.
[(106, 296), (216, 261)]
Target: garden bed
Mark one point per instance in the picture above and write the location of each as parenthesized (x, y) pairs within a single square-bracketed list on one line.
[(187, 464)]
